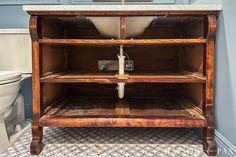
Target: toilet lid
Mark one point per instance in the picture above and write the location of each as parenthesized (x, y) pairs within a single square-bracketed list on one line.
[(9, 76)]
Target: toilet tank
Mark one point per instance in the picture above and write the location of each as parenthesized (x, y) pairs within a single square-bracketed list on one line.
[(15, 50)]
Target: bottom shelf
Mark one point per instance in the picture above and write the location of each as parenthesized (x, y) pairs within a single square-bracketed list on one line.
[(132, 112)]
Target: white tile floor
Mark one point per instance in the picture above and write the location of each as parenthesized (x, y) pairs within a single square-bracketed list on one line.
[(105, 142)]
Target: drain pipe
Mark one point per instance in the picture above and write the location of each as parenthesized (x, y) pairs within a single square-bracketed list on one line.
[(121, 85)]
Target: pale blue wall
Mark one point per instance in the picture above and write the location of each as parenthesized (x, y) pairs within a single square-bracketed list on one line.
[(226, 72), (12, 16)]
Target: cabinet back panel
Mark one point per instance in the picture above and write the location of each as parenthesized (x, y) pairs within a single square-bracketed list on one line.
[(163, 27), (146, 58), (131, 90)]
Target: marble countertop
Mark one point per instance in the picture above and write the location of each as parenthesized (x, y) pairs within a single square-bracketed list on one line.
[(212, 7)]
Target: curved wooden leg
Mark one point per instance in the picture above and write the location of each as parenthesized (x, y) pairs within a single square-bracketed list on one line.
[(209, 144), (37, 131), (36, 145)]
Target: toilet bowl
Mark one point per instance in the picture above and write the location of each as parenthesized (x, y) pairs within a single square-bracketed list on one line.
[(12, 123), (15, 66), (9, 88)]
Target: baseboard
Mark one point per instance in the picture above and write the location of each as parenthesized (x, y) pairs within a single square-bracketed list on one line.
[(15, 31), (225, 147)]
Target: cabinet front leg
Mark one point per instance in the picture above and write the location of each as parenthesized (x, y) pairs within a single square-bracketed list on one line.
[(209, 144), (36, 145)]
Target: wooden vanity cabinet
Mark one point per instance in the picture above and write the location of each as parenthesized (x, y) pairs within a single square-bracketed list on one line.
[(171, 85)]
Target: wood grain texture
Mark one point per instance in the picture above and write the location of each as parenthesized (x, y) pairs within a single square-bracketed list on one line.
[(132, 107), (122, 42), (65, 77), (194, 53), (51, 92), (120, 122), (53, 58), (174, 59), (122, 27), (131, 90), (209, 142), (157, 58), (194, 92), (37, 131), (166, 28), (51, 28), (152, 110), (122, 107)]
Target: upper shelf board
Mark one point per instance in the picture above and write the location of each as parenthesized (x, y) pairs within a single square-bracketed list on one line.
[(123, 42)]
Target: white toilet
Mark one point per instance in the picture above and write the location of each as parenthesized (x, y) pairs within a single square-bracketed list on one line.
[(15, 59), (12, 116)]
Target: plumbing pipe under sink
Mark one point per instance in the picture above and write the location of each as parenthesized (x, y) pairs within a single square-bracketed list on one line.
[(110, 27), (121, 85)]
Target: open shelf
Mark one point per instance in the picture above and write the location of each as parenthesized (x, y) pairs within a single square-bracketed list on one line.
[(158, 30), (131, 112), (122, 42), (156, 63), (76, 77)]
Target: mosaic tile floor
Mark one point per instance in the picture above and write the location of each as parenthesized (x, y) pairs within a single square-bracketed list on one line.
[(114, 142)]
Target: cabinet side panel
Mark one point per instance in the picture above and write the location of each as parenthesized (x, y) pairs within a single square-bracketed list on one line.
[(191, 58), (209, 142), (53, 59), (37, 131)]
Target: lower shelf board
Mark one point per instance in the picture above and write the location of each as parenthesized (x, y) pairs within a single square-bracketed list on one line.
[(132, 112), (164, 77)]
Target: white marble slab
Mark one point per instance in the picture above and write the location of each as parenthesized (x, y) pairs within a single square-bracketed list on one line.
[(122, 7)]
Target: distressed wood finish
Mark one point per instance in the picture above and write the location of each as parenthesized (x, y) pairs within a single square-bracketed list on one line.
[(64, 77), (209, 142), (110, 112), (37, 131), (122, 42), (177, 63), (111, 108), (122, 27), (120, 122)]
